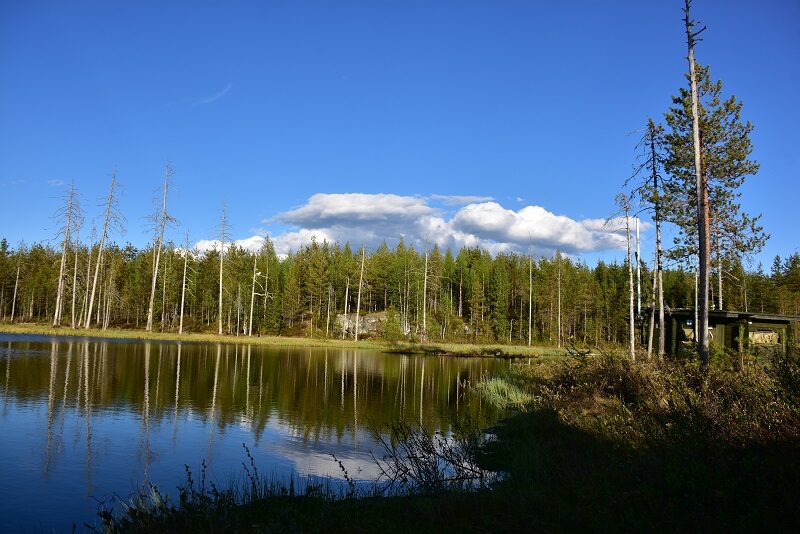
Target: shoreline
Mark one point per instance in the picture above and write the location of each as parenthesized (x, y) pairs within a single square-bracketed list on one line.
[(489, 350)]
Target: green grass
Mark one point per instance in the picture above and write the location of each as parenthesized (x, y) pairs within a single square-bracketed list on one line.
[(452, 349)]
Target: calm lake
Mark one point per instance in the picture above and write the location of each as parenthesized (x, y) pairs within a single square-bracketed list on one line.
[(85, 419)]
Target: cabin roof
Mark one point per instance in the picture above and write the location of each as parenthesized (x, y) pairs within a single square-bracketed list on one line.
[(736, 315)]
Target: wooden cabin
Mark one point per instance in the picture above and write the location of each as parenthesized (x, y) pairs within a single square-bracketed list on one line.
[(733, 330)]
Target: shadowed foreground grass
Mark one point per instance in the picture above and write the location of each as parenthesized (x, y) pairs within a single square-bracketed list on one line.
[(598, 444), (451, 349)]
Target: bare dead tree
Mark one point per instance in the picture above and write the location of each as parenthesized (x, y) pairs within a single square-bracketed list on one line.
[(530, 296), (652, 194), (253, 295), (346, 321), (16, 283), (183, 286), (112, 219), (160, 221), (703, 227), (360, 283), (68, 215), (424, 336), (223, 226), (73, 323), (625, 209)]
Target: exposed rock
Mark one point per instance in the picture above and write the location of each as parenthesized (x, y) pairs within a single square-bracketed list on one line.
[(369, 324)]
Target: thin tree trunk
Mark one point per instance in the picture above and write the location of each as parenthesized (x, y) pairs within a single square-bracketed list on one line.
[(328, 314), (719, 276), (652, 315), (109, 206), (74, 286), (638, 272), (558, 331), (346, 321), (14, 298), (704, 250), (631, 331), (64, 245), (221, 259), (164, 294), (530, 297), (360, 283), (183, 287), (252, 297), (425, 300), (162, 222)]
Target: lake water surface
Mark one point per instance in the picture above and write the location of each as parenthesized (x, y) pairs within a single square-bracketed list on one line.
[(83, 420)]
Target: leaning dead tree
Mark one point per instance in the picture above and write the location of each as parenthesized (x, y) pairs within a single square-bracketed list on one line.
[(69, 216), (160, 221), (112, 219), (703, 226)]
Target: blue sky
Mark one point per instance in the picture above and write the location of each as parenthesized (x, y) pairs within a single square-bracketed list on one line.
[(264, 105)]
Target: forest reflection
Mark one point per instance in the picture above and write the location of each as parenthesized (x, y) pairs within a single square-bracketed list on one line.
[(326, 395)]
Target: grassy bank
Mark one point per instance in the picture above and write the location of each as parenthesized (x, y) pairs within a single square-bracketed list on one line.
[(597, 444), (447, 349)]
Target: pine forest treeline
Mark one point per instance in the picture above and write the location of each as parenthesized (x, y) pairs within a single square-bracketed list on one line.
[(471, 296)]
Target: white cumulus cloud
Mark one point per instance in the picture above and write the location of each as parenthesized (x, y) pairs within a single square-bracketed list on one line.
[(469, 221)]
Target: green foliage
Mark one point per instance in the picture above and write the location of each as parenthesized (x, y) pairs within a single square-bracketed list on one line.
[(725, 162), (392, 328)]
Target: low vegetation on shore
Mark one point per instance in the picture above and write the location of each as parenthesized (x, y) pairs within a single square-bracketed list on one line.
[(596, 443), (446, 349)]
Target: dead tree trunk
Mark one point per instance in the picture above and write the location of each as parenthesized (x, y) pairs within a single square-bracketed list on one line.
[(107, 220), (530, 297), (346, 321), (161, 223), (14, 298), (221, 259), (704, 247), (64, 246), (252, 297), (424, 336), (74, 285), (183, 287), (631, 331), (360, 283)]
